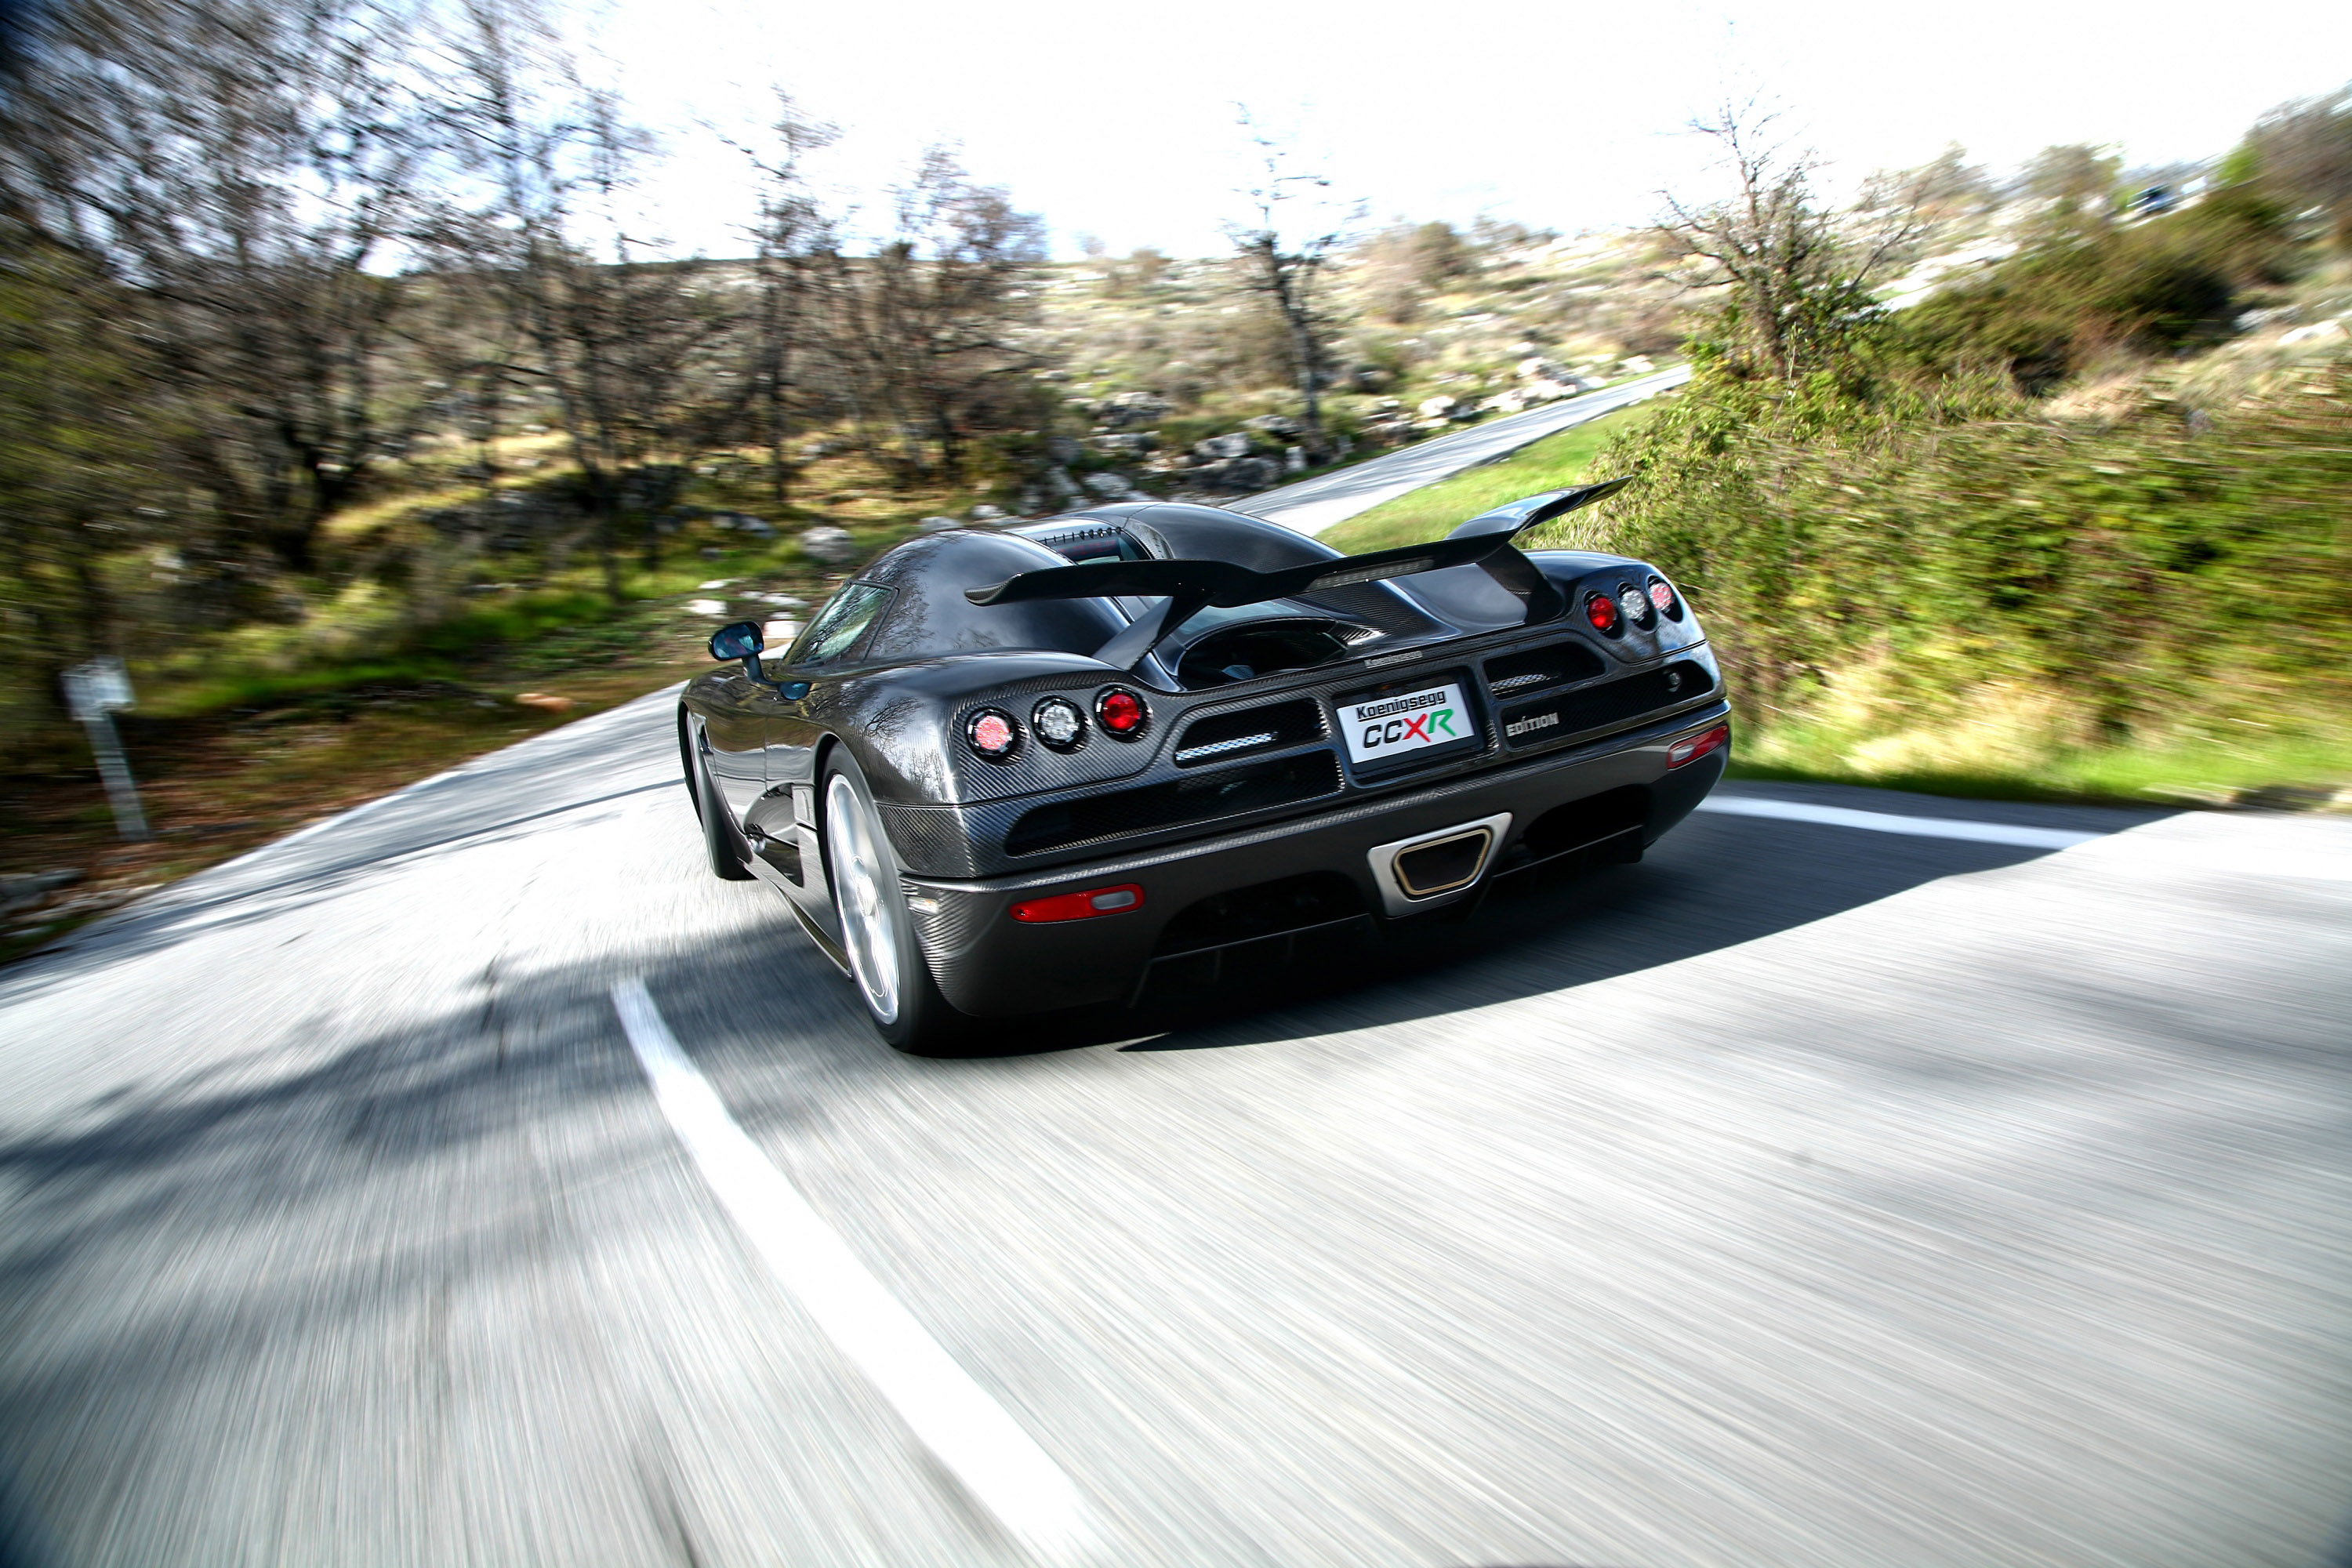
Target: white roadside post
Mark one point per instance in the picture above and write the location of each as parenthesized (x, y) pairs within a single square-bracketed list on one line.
[(93, 692)]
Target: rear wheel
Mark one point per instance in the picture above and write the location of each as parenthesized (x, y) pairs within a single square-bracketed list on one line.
[(878, 934)]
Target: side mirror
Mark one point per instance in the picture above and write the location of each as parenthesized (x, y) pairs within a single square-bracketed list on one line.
[(741, 641), (744, 642)]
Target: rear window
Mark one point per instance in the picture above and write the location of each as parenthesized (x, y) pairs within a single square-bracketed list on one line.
[(840, 623)]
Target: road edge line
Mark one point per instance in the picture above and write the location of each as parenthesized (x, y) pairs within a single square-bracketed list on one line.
[(1887, 822), (997, 1461)]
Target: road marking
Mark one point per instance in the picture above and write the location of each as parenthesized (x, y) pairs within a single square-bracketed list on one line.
[(1886, 822), (1001, 1465)]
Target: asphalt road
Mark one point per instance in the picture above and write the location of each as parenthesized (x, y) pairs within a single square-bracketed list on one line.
[(1809, 1194), (1313, 505)]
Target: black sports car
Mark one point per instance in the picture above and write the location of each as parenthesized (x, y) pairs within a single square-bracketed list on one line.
[(1009, 771)]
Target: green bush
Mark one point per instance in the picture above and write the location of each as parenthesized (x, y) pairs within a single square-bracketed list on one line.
[(2161, 574)]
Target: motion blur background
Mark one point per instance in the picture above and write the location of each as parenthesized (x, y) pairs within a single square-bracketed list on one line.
[(383, 382), (397, 388)]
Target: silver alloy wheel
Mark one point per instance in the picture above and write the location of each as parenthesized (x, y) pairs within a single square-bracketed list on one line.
[(861, 882)]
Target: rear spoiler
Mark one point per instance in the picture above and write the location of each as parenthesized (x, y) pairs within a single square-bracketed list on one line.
[(1187, 587)]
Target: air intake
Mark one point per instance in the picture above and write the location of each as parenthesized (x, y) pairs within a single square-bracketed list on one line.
[(1225, 735)]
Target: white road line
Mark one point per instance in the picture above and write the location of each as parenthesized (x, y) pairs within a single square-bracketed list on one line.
[(1886, 822), (999, 1463)]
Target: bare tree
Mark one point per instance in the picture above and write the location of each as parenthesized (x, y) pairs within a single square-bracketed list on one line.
[(238, 171), (1283, 252), (1799, 278), (608, 336), (796, 253), (929, 330), (2302, 152)]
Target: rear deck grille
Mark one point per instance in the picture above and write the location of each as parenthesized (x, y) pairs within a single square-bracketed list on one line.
[(1261, 729), (1554, 718), (1555, 665), (1208, 797)]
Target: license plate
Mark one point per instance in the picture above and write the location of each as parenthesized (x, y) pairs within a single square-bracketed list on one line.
[(1393, 726)]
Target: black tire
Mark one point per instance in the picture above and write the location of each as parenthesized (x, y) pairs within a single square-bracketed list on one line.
[(887, 970), (721, 842)]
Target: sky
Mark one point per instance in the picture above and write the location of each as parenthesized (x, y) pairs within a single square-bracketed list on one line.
[(1118, 121)]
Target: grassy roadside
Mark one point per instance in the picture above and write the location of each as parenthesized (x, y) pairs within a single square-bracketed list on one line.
[(1994, 751), (241, 737), (1553, 463), (2286, 773)]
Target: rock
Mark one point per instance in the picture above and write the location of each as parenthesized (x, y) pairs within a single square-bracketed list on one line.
[(744, 522), (779, 635), (1126, 409), (1510, 402), (1237, 474), (1281, 427), (1639, 365), (783, 601), (830, 545), (1218, 449), (1294, 460), (1439, 407), (1131, 445), (2318, 332), (813, 451), (1539, 369), (1549, 391), (31, 886), (716, 583), (984, 512), (705, 606), (1059, 485), (1063, 449), (545, 702), (938, 524), (1370, 378), (1110, 486)]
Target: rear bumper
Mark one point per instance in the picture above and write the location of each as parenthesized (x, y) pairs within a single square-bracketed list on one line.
[(991, 965)]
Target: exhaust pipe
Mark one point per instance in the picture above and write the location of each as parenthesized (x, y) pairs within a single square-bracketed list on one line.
[(1431, 868)]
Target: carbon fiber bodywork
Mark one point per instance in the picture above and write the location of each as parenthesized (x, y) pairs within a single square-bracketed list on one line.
[(1240, 783)]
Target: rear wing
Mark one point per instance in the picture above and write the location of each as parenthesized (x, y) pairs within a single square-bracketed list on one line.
[(1187, 587)]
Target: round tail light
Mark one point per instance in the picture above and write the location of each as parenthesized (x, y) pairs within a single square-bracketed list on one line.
[(1662, 596), (1636, 607), (1122, 712), (1602, 611), (991, 734), (1058, 723)]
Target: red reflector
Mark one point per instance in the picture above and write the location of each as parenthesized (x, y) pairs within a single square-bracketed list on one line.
[(1602, 611), (1122, 712), (1697, 746), (1083, 906), (1662, 596)]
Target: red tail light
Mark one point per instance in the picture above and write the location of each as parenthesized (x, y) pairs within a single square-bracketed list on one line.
[(1083, 906), (1697, 746), (1122, 712), (1602, 611)]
